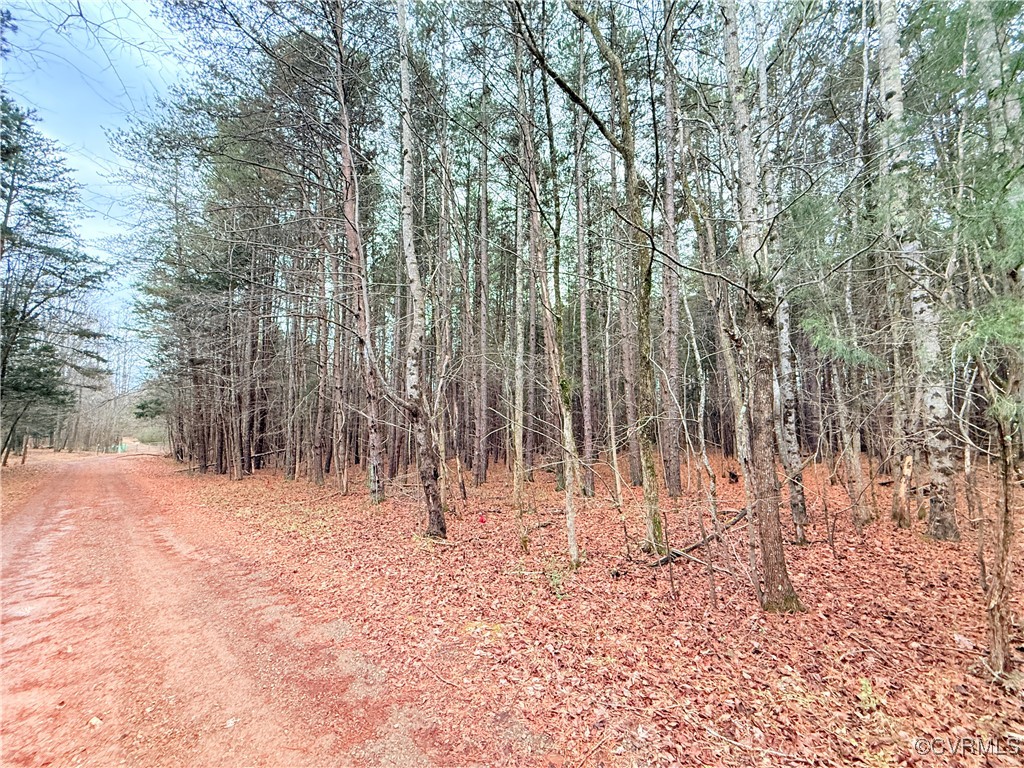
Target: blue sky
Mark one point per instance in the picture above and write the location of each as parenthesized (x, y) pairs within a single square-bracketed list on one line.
[(85, 67)]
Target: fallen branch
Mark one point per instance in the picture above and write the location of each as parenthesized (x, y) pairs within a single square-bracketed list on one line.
[(750, 747), (691, 558), (442, 679), (762, 750), (449, 543), (593, 749), (675, 554)]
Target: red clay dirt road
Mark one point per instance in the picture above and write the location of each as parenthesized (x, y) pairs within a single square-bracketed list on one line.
[(124, 645)]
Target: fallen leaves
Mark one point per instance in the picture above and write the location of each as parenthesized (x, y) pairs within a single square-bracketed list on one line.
[(602, 662)]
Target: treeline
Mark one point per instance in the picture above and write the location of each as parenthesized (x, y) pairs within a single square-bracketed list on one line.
[(51, 351), (549, 235)]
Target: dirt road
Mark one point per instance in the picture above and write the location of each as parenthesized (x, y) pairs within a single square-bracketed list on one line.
[(125, 645)]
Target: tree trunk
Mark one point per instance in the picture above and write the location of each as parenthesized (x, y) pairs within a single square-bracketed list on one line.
[(643, 267), (319, 438), (416, 403), (924, 319), (483, 290), (354, 241), (851, 450), (788, 444), (671, 414), (530, 412), (1004, 110), (762, 480), (759, 349), (519, 381), (613, 450), (627, 325), (998, 610), (560, 388), (582, 279)]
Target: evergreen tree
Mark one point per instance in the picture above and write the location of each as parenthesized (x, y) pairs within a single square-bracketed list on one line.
[(45, 328)]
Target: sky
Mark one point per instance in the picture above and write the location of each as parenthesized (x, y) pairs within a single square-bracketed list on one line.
[(85, 67)]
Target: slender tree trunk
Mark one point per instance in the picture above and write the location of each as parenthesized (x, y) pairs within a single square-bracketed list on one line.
[(759, 347), (552, 342), (416, 403), (789, 444), (997, 602), (762, 479), (626, 288), (443, 272), (643, 266), (530, 414), (924, 319), (319, 438), (671, 415), (613, 450), (339, 428), (291, 396), (353, 238), (482, 427), (396, 429), (465, 434), (519, 382), (1004, 111), (627, 330), (582, 279), (9, 439)]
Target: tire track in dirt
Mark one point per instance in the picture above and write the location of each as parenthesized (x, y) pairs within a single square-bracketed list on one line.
[(122, 644)]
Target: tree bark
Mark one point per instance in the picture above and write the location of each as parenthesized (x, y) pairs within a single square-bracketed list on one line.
[(643, 266), (357, 258), (519, 376), (583, 280), (789, 445), (480, 456), (671, 414), (1004, 112), (758, 346), (416, 404), (924, 320), (560, 387)]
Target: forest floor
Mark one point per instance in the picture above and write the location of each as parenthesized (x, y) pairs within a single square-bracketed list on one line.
[(152, 617)]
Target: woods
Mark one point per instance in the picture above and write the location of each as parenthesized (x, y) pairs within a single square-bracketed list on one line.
[(416, 243), (51, 348)]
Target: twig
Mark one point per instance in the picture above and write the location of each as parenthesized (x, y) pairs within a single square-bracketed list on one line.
[(750, 747), (762, 750), (697, 560), (593, 749), (854, 651), (442, 679), (677, 553), (441, 542), (965, 651)]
